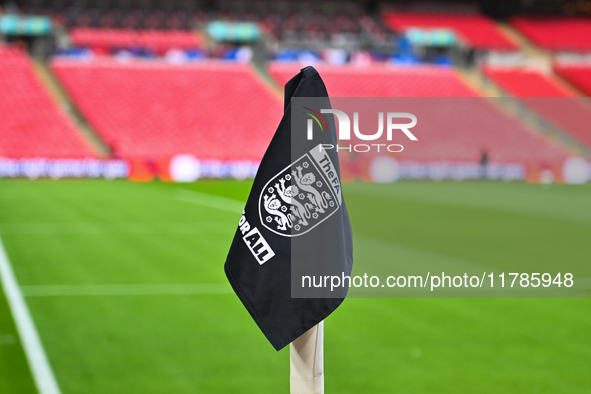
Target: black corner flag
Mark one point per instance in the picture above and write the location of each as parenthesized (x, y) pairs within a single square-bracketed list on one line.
[(295, 217)]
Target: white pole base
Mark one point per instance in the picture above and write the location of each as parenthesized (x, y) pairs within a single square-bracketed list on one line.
[(307, 362)]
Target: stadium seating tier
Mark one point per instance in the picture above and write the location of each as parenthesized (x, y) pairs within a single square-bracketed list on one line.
[(578, 75), (523, 82), (382, 80), (548, 98), (149, 109), (89, 37), (458, 128), (32, 124), (555, 33), (477, 31)]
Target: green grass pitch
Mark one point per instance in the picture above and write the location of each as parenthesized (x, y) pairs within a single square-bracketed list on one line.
[(87, 233)]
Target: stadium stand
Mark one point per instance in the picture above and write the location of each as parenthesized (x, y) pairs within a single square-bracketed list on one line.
[(522, 82), (548, 98), (305, 25), (505, 138), (155, 110), (578, 75), (382, 80), (125, 15), (32, 124), (461, 136), (475, 30), (122, 38), (304, 22), (555, 33), (311, 26)]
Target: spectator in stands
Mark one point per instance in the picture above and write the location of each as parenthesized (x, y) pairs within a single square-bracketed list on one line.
[(483, 163), (22, 45)]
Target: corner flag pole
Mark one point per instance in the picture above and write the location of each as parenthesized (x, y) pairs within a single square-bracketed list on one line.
[(306, 355)]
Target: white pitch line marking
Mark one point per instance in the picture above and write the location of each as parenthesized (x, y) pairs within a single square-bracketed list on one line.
[(125, 290), (36, 357), (209, 200)]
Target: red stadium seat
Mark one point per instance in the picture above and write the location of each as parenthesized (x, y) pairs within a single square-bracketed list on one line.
[(214, 110), (548, 98), (127, 38), (454, 135), (32, 124), (555, 33), (477, 31), (383, 80), (527, 83), (103, 37), (579, 76), (171, 39)]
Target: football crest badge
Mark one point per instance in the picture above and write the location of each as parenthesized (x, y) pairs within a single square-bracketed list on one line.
[(302, 195)]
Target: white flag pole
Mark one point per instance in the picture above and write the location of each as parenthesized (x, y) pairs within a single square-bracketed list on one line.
[(307, 362)]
